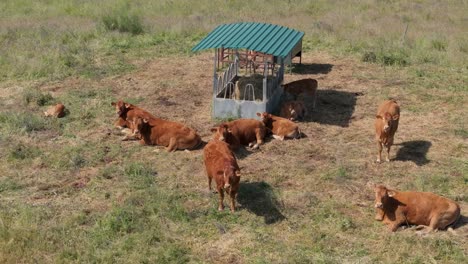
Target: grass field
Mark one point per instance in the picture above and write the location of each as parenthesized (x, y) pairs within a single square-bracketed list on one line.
[(71, 191)]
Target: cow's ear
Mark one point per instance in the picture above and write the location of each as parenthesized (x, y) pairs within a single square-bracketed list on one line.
[(214, 129), (378, 116), (127, 105), (395, 117), (145, 120), (259, 114), (113, 103), (390, 193), (238, 173)]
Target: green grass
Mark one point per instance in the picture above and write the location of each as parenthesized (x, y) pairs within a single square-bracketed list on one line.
[(72, 192)]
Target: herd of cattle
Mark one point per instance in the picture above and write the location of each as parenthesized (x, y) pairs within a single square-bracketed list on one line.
[(394, 208)]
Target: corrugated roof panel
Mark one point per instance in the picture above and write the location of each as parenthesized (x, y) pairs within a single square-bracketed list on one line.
[(267, 38)]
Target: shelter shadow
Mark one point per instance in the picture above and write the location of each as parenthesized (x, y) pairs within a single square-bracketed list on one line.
[(258, 198), (333, 107), (312, 68), (415, 151)]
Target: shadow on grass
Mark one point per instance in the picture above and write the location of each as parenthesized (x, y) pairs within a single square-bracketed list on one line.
[(415, 151), (333, 108), (462, 221), (312, 68), (258, 198)]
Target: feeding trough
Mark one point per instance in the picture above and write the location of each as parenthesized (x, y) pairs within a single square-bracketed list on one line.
[(249, 66)]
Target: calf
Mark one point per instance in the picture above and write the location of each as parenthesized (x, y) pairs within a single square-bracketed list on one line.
[(249, 132), (293, 110), (221, 164), (126, 114), (386, 124), (172, 135), (425, 209), (57, 110), (304, 87), (280, 127)]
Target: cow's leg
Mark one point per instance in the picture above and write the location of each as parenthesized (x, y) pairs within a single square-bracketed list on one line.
[(232, 194), (388, 152), (278, 137), (209, 183), (379, 153), (172, 145), (258, 136), (221, 199)]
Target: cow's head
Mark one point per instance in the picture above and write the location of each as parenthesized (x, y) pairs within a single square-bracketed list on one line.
[(382, 194), (231, 173), (388, 120), (293, 115), (138, 124), (121, 107), (221, 132), (265, 117)]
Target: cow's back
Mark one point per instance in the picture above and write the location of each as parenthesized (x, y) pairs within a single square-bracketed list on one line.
[(214, 155), (391, 107), (245, 129), (308, 86)]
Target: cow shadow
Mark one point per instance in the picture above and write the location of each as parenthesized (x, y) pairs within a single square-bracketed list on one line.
[(415, 151), (332, 107), (258, 198), (312, 68)]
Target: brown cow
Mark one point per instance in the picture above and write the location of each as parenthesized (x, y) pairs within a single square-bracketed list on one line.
[(304, 87), (172, 135), (280, 127), (221, 164), (126, 115), (386, 124), (57, 110), (425, 209), (249, 132), (293, 110)]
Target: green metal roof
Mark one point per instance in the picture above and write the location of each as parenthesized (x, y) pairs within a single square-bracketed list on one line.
[(266, 38)]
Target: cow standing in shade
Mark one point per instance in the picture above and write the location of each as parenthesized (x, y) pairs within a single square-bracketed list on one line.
[(221, 165), (386, 124)]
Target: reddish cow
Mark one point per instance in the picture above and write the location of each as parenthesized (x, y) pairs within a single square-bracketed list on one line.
[(57, 110), (293, 110), (249, 132), (280, 127), (127, 114), (172, 135), (386, 124), (425, 209), (221, 164), (304, 87)]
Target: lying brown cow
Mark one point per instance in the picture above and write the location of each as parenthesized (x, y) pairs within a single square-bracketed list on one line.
[(172, 135), (126, 115), (280, 127), (293, 110), (304, 87), (425, 209), (221, 164), (386, 124), (249, 132), (57, 110)]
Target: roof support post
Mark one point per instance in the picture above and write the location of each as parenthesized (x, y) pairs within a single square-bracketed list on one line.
[(265, 81)]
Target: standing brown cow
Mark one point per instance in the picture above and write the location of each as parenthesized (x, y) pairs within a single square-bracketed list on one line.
[(386, 124), (249, 132), (172, 135), (425, 209), (280, 127), (221, 164), (304, 87)]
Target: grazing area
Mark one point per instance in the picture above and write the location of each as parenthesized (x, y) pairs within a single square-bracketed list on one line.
[(72, 191)]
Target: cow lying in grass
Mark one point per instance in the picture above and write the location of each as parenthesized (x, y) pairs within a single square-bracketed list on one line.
[(280, 127), (172, 135), (221, 165), (293, 110), (248, 132), (428, 210), (57, 110), (126, 115)]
